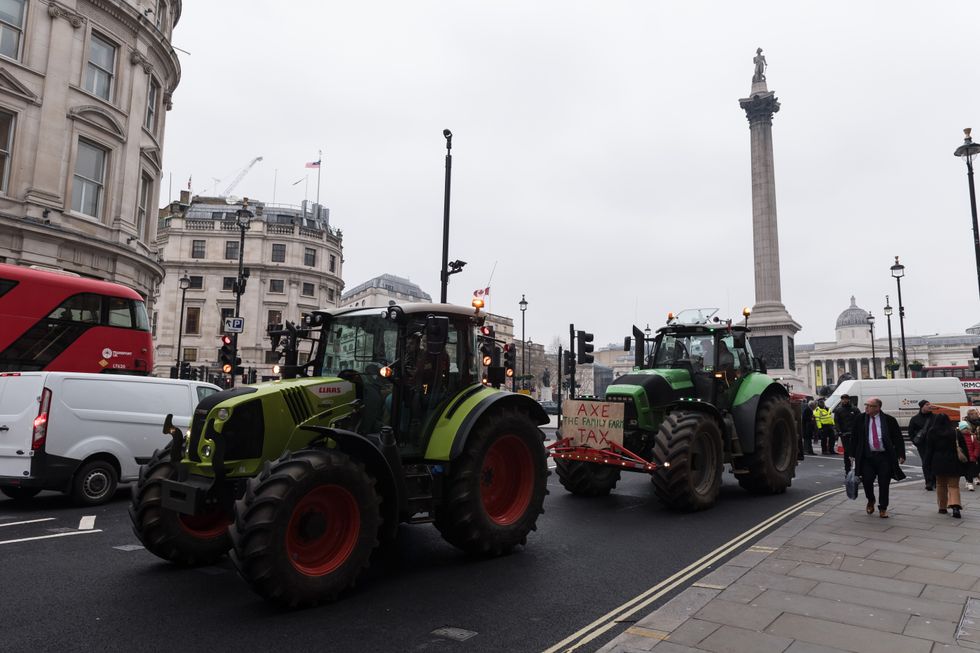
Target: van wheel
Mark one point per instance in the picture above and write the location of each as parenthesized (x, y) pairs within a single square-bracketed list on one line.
[(20, 493), (94, 483)]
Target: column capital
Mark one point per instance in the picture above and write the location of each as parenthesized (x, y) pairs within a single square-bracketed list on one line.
[(56, 10), (760, 107)]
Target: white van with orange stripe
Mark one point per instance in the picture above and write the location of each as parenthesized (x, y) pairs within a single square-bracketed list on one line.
[(900, 397), (84, 433)]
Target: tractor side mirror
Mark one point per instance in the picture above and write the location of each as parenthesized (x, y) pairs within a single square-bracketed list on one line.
[(436, 334), (760, 364), (738, 339), (627, 343)]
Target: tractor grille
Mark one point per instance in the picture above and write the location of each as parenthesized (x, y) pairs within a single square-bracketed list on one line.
[(297, 403), (243, 433)]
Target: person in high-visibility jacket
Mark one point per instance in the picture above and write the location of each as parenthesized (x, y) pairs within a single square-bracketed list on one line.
[(825, 428)]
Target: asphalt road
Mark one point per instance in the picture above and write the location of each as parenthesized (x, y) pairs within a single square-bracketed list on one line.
[(86, 583)]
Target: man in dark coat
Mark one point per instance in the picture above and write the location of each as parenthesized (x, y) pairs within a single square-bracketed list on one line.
[(809, 428), (918, 427), (844, 415), (878, 452)]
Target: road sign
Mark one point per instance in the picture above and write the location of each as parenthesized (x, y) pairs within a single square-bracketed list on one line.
[(234, 324)]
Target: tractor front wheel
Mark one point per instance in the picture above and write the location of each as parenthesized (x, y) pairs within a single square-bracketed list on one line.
[(306, 527), (185, 540), (772, 466), (496, 489), (587, 479), (688, 454)]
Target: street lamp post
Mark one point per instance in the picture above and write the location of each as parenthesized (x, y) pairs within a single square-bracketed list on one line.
[(242, 219), (444, 271), (523, 305), (529, 379), (968, 151), (647, 332), (891, 352), (185, 283), (898, 271), (874, 359)]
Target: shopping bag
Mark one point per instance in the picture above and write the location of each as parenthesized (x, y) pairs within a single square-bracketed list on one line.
[(851, 485), (839, 447)]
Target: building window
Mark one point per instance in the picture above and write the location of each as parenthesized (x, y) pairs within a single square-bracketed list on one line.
[(309, 257), (86, 192), (225, 313), (330, 294), (152, 99), (197, 283), (146, 192), (11, 27), (228, 283), (197, 249), (278, 253), (192, 321), (190, 355), (161, 13), (231, 250), (308, 290), (333, 263), (101, 67), (276, 285), (272, 357), (275, 317), (6, 140)]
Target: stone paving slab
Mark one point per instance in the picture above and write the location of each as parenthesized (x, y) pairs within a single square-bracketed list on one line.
[(844, 636), (729, 639), (871, 567), (912, 605), (837, 610), (884, 585), (910, 560), (752, 616)]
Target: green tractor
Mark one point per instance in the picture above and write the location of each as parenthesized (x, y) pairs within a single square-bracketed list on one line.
[(385, 422), (696, 400)]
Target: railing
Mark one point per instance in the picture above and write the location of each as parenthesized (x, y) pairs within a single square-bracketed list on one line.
[(276, 228), (199, 225)]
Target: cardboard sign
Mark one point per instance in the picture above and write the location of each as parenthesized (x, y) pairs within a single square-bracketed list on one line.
[(595, 424)]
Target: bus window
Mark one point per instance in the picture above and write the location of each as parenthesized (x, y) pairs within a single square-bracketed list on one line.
[(119, 313), (142, 321), (6, 285), (79, 308)]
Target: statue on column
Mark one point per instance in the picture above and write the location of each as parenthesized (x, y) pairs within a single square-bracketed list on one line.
[(760, 66)]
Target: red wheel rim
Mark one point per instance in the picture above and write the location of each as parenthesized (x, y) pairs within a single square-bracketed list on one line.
[(323, 530), (507, 480), (211, 524)]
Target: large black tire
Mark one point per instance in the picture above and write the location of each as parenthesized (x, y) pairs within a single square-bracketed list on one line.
[(691, 443), (587, 479), (20, 493), (306, 527), (94, 483), (497, 486), (182, 539), (772, 466)]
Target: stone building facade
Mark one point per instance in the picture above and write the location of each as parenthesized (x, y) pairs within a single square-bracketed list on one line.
[(295, 264), (84, 90), (382, 289)]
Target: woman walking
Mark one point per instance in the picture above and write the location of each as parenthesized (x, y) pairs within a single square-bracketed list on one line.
[(944, 447)]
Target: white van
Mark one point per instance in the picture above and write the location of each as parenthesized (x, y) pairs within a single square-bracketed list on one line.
[(900, 397), (83, 433)]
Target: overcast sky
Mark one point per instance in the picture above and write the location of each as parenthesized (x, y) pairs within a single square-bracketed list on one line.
[(600, 157)]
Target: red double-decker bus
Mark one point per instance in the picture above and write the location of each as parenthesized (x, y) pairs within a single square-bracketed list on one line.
[(969, 377), (60, 321)]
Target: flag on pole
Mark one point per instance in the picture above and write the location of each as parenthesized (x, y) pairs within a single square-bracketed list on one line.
[(313, 164), (480, 292)]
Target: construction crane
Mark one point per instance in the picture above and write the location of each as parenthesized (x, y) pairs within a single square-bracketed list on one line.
[(240, 176)]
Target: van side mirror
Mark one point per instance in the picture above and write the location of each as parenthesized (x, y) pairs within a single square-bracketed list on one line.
[(436, 333)]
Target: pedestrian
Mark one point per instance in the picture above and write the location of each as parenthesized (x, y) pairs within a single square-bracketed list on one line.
[(972, 440), (944, 446), (877, 452), (844, 415), (825, 427), (917, 435), (809, 426)]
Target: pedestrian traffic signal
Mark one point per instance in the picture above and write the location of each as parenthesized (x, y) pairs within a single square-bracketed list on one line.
[(226, 355), (584, 347), (510, 359)]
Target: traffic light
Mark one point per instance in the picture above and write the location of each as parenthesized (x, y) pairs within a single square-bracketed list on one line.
[(510, 359), (226, 355), (568, 364), (488, 351), (976, 358), (253, 375), (584, 347)]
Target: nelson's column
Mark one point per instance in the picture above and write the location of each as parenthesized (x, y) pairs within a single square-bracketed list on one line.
[(772, 326)]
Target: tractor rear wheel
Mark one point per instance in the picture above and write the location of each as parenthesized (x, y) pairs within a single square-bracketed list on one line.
[(496, 489), (306, 527), (185, 540), (772, 466), (587, 479), (688, 454)]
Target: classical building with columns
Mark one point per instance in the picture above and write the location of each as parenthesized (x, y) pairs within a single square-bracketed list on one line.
[(824, 363), (84, 90)]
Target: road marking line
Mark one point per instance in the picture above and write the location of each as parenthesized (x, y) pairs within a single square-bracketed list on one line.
[(637, 603), (128, 547), (86, 523), (45, 537), (30, 521)]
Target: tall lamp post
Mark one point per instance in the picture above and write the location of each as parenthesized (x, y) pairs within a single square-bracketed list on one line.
[(523, 305), (185, 283), (243, 218), (874, 359), (968, 151), (891, 352), (898, 271), (444, 270), (529, 379)]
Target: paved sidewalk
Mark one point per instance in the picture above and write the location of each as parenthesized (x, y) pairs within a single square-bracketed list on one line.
[(835, 579)]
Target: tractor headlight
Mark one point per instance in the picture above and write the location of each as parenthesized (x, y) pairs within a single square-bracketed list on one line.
[(224, 414), (206, 451)]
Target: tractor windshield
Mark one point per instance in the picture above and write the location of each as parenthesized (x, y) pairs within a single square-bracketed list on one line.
[(694, 349), (363, 344)]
